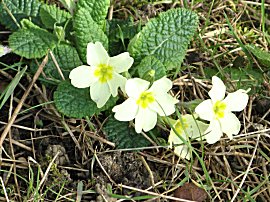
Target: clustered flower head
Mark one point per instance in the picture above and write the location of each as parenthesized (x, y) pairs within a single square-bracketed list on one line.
[(146, 101)]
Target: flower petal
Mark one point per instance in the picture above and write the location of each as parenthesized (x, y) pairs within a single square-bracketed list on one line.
[(116, 82), (213, 132), (205, 110), (161, 86), (100, 93), (126, 111), (146, 119), (236, 101), (230, 125), (195, 129), (4, 50), (82, 76), (181, 150), (134, 87), (218, 89), (121, 63), (96, 54), (164, 103), (174, 139)]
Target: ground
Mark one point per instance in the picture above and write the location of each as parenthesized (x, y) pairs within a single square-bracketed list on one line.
[(49, 157)]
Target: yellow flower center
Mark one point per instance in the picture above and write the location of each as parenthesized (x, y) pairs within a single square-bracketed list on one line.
[(219, 108), (181, 125), (104, 73), (145, 99)]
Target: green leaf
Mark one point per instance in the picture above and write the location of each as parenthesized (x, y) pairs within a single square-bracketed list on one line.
[(190, 105), (76, 102), (87, 30), (69, 4), (19, 9), (118, 28), (120, 32), (246, 78), (109, 104), (67, 59), (51, 15), (97, 9), (261, 55), (31, 42), (151, 69), (123, 135), (165, 37), (59, 32)]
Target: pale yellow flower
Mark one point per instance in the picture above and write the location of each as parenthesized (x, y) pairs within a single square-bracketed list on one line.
[(189, 129), (103, 75), (218, 111), (144, 104)]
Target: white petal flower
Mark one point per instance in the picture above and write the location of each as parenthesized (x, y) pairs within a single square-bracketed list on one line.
[(145, 119), (122, 114), (218, 111), (145, 103), (85, 74), (103, 75), (4, 50), (188, 128)]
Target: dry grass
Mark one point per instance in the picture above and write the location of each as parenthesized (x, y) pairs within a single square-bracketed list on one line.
[(236, 170)]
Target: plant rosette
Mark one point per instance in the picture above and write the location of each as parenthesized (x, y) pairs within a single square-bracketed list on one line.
[(184, 130), (218, 111), (103, 75), (145, 103)]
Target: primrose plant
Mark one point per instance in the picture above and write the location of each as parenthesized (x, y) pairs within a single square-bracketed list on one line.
[(119, 68), (144, 104)]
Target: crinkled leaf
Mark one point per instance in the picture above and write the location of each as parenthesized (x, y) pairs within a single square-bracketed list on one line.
[(151, 69), (31, 41), (20, 9), (51, 15), (123, 135), (165, 37), (76, 102), (67, 58), (109, 104), (87, 30), (261, 55), (97, 9)]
